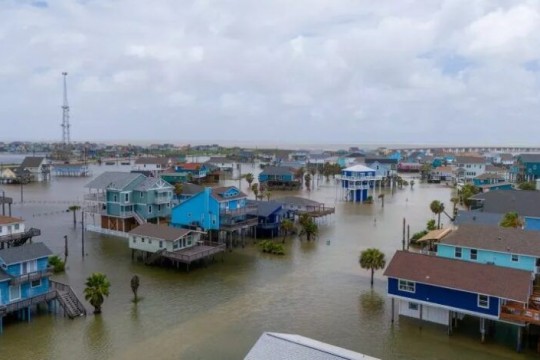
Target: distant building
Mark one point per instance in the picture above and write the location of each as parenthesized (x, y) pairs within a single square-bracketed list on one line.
[(278, 177), (527, 167), (357, 181), (384, 167), (222, 163), (154, 165), (37, 168), (469, 167)]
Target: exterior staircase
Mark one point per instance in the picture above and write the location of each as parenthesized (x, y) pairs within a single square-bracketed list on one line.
[(73, 307), (140, 220), (154, 257)]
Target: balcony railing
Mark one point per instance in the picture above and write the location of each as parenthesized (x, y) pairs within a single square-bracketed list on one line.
[(228, 225), (516, 312), (240, 211), (162, 199), (95, 197), (32, 276), (359, 178), (19, 236), (24, 303)]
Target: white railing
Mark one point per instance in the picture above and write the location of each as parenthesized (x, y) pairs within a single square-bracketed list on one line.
[(100, 230), (359, 178), (95, 197), (357, 187)]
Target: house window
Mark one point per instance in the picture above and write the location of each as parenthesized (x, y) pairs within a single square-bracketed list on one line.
[(159, 208), (515, 258), (134, 240), (1, 228), (149, 209), (474, 254), (175, 245), (142, 195), (14, 292), (161, 244), (413, 306), (409, 286), (126, 197), (142, 239), (149, 241), (457, 252), (36, 283), (16, 226), (115, 198), (483, 301)]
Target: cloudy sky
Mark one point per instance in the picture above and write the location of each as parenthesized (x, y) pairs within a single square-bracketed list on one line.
[(273, 72)]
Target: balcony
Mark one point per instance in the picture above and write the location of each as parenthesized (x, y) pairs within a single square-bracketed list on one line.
[(162, 199), (517, 313), (237, 224), (359, 178), (32, 276), (99, 197), (24, 303), (249, 209)]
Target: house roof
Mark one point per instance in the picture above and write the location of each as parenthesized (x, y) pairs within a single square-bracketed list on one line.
[(380, 160), (525, 203), (32, 161), (191, 166), (277, 170), (494, 169), (477, 217), (496, 238), (489, 176), (502, 282), (529, 158), (470, 160), (276, 346), (265, 208), (17, 254), (506, 157), (152, 160), (167, 233), (4, 220), (444, 169), (359, 168), (191, 189), (435, 235), (298, 201), (217, 193), (151, 183), (113, 179), (220, 159)]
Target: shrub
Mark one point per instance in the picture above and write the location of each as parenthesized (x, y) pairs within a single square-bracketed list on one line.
[(268, 246), (58, 264)]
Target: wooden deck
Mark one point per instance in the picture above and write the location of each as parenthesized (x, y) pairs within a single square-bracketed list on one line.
[(318, 213), (518, 313), (194, 253)]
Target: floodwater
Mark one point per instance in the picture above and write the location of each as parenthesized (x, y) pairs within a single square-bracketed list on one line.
[(317, 289)]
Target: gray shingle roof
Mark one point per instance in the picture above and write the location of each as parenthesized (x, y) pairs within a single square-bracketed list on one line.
[(191, 189), (298, 201), (470, 160), (477, 217), (529, 158), (490, 280), (32, 161), (496, 238), (265, 208), (525, 203), (152, 160), (164, 232), (277, 170), (114, 179), (275, 346), (26, 252), (380, 160)]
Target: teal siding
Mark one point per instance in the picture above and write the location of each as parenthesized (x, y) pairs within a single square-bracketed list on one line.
[(524, 262)]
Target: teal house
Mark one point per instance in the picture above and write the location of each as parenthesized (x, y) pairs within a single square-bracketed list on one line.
[(488, 244), (24, 280), (527, 167), (221, 210), (279, 177), (124, 201)]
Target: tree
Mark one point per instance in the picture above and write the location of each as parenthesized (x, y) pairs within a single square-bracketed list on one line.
[(437, 208), (286, 227), (455, 201), (268, 194), (73, 209), (97, 288), (178, 188), (307, 179), (467, 191), (372, 259), (431, 225), (511, 220), (381, 196), (255, 189), (249, 178), (412, 183), (135, 287), (299, 174), (309, 226), (527, 186)]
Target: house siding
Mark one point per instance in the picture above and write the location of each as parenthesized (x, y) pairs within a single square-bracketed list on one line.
[(447, 297), (201, 209), (527, 263), (532, 223)]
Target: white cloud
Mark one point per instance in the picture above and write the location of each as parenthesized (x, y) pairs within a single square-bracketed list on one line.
[(451, 71)]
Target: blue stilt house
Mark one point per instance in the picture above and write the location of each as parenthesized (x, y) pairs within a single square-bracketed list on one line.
[(357, 181)]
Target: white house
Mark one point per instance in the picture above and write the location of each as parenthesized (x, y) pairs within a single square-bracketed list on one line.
[(222, 163), (151, 238), (37, 168), (155, 165), (10, 226), (469, 167)]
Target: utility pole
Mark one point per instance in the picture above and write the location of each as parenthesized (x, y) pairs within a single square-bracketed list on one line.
[(82, 231), (65, 248)]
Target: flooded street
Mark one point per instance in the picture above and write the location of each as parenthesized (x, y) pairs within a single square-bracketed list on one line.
[(317, 289)]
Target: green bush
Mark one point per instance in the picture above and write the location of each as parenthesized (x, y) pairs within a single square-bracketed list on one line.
[(268, 246), (58, 264), (418, 236)]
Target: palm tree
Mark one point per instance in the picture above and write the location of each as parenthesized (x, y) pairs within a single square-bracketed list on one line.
[(437, 208), (455, 201), (255, 189), (307, 179), (286, 227), (511, 220), (372, 259), (412, 183), (97, 287), (309, 226), (249, 178), (268, 194), (381, 196), (135, 287), (73, 209)]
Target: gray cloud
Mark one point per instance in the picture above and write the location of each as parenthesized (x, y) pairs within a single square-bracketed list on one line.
[(275, 72)]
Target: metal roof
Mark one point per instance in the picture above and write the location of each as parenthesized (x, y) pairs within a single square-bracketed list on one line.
[(498, 281), (359, 168), (17, 254), (5, 220), (113, 179), (32, 162), (276, 346), (150, 183), (298, 201), (164, 232), (435, 235)]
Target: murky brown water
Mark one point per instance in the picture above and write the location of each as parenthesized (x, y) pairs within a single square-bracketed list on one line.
[(316, 290)]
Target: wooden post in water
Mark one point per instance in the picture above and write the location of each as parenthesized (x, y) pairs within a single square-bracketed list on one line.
[(82, 232), (518, 346), (393, 309), (450, 323), (482, 330), (65, 248), (408, 236), (403, 240)]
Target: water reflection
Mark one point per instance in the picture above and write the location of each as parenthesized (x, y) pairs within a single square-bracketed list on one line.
[(97, 338), (371, 303)]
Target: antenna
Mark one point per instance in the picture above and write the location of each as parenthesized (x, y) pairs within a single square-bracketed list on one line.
[(65, 114)]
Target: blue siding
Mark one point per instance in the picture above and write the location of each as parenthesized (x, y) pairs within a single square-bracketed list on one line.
[(447, 297), (527, 263), (532, 223), (201, 209)]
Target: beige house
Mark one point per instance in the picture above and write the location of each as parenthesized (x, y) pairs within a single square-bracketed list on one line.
[(152, 238)]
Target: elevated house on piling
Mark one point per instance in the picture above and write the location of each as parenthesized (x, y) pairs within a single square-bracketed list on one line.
[(222, 211), (383, 167), (123, 201), (269, 215), (37, 168), (25, 283), (294, 206), (14, 233), (154, 165), (279, 178), (175, 245), (357, 182)]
